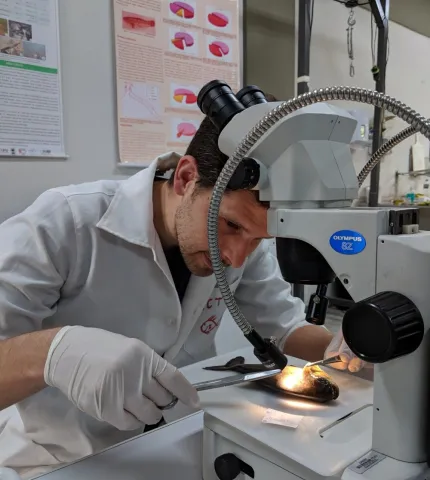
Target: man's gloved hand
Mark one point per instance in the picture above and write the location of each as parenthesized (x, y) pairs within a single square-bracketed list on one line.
[(350, 361), (113, 378)]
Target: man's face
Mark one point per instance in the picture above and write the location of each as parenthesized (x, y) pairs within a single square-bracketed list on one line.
[(241, 227)]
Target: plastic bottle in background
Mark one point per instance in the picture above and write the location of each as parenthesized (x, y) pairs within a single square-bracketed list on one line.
[(418, 155)]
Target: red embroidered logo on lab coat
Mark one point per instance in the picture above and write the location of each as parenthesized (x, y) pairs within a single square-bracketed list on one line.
[(210, 325)]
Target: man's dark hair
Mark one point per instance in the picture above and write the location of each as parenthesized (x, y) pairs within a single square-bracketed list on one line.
[(204, 148)]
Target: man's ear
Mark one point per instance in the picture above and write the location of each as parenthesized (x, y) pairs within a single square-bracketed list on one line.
[(186, 175)]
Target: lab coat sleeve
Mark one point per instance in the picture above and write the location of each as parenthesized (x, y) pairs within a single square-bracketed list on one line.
[(37, 256), (265, 298)]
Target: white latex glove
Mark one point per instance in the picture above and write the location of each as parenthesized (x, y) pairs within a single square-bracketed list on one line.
[(113, 378), (350, 361)]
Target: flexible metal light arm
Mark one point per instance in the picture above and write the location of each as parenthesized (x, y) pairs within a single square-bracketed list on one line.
[(383, 150)]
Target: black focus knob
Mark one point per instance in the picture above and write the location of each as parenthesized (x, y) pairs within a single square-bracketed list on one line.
[(382, 327), (229, 467), (246, 176)]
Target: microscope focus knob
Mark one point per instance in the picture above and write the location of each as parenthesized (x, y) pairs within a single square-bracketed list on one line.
[(229, 467), (383, 327)]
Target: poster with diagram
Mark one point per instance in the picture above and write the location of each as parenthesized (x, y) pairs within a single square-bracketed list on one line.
[(166, 50), (31, 115)]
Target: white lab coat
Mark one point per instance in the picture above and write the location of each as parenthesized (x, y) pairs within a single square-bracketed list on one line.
[(89, 255)]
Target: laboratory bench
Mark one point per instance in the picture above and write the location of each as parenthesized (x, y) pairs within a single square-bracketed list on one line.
[(173, 451)]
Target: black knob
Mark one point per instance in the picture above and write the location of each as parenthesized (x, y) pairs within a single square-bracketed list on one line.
[(246, 175), (229, 467), (383, 327)]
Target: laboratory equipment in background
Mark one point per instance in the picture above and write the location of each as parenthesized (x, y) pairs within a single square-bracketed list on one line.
[(361, 137)]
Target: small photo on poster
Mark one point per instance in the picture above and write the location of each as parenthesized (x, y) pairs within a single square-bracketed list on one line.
[(141, 101), (4, 29), (183, 11), (217, 49), (184, 96), (11, 46), (183, 130), (19, 30), (36, 51), (183, 41), (132, 22), (217, 19)]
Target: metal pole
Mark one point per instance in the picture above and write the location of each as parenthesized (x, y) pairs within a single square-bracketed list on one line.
[(303, 61), (380, 11)]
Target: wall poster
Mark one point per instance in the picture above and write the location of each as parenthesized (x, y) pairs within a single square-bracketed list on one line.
[(166, 50), (31, 114)]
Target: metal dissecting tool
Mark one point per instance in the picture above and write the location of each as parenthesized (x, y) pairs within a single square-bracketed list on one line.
[(227, 382), (327, 361)]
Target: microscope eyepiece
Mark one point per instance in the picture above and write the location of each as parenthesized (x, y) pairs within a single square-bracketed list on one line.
[(219, 103), (251, 95)]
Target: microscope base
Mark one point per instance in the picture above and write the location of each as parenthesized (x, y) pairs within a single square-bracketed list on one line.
[(328, 438)]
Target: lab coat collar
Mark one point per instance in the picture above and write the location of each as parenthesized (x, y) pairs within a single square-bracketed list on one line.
[(130, 215)]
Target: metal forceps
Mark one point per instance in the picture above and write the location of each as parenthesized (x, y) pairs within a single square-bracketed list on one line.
[(227, 382), (327, 361)]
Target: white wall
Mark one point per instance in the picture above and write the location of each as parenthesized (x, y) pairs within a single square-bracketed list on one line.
[(408, 71), (89, 110), (270, 46)]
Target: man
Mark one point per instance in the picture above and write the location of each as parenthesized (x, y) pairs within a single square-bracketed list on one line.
[(107, 287)]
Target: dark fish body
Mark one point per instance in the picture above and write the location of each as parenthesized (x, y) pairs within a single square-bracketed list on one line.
[(313, 383)]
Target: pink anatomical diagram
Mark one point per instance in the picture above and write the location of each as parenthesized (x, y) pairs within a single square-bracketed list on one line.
[(138, 22), (184, 95), (182, 9), (182, 40), (218, 19), (186, 129), (218, 49)]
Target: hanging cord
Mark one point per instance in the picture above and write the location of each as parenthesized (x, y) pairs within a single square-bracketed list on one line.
[(349, 41), (311, 15), (373, 43), (373, 39)]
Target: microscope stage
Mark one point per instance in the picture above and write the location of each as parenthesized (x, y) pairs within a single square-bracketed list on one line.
[(328, 438)]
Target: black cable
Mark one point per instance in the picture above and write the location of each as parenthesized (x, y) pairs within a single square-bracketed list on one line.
[(388, 42), (372, 39), (311, 18)]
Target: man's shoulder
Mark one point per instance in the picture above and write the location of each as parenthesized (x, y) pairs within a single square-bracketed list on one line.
[(98, 190), (88, 201), (262, 264)]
